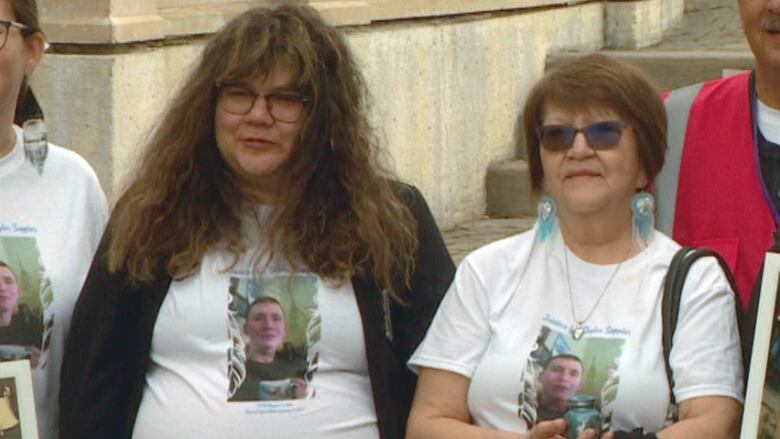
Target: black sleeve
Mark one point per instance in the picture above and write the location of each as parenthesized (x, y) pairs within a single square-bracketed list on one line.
[(433, 274), (106, 353)]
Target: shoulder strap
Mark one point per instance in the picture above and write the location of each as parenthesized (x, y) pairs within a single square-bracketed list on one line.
[(670, 304)]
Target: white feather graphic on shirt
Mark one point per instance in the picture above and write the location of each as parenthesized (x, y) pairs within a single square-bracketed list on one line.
[(610, 387), (313, 336), (527, 398), (313, 328), (36, 147), (236, 353), (46, 296)]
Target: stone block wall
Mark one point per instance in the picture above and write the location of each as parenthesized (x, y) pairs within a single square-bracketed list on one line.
[(446, 90), (697, 5), (634, 24)]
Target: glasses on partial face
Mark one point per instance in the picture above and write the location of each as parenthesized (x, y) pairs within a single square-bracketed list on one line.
[(600, 135), (5, 29), (283, 106)]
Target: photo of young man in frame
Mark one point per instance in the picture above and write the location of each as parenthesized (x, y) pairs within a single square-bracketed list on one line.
[(10, 428), (769, 420), (761, 415)]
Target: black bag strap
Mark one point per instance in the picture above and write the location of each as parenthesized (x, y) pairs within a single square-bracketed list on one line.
[(670, 304)]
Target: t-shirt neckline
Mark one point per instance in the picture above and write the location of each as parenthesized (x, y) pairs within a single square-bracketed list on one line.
[(769, 122)]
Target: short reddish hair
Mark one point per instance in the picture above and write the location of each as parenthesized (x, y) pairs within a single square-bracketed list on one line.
[(598, 80)]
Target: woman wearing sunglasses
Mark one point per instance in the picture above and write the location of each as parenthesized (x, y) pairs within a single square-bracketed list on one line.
[(584, 284)]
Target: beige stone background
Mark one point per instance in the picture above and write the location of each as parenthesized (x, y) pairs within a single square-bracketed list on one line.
[(447, 77)]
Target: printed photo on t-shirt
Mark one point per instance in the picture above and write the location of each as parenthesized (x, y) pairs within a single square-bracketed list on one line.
[(24, 292), (275, 324), (560, 369)]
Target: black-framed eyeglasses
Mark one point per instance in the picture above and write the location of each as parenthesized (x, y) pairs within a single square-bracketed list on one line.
[(5, 29), (283, 106), (599, 135)]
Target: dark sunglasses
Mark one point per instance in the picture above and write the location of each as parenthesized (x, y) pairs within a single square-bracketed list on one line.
[(600, 135)]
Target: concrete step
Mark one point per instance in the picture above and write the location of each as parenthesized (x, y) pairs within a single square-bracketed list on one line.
[(509, 190), (706, 44)]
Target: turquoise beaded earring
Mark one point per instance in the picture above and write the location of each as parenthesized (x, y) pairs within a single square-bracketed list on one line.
[(643, 213), (547, 212)]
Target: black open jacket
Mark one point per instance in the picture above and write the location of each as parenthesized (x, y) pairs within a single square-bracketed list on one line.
[(107, 351)]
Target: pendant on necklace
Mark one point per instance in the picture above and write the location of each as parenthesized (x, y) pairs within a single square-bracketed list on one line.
[(578, 331)]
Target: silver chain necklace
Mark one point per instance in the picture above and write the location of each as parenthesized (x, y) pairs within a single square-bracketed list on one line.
[(579, 330)]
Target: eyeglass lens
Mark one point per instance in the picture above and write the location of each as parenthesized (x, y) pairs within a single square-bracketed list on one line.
[(599, 135), (284, 107), (5, 28)]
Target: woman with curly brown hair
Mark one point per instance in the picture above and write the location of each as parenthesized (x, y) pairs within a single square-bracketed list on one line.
[(262, 180)]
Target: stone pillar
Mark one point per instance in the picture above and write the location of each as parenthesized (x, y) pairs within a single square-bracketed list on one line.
[(639, 23), (343, 13)]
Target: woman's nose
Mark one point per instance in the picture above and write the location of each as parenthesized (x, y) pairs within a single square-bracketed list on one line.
[(260, 113), (580, 147)]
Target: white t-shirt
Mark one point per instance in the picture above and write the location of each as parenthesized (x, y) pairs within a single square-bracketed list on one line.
[(193, 385), (508, 312), (769, 122), (50, 226)]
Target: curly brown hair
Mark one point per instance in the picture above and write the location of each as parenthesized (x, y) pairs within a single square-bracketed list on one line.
[(340, 214)]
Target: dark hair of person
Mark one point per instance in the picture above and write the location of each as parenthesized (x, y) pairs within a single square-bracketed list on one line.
[(564, 357), (339, 214), (26, 12), (4, 265), (598, 81), (265, 299)]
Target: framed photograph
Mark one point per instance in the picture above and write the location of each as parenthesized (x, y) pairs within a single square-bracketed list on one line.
[(17, 405), (761, 417)]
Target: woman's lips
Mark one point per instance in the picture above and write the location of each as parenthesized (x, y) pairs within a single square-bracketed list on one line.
[(774, 34), (771, 25), (582, 173), (256, 139), (256, 142)]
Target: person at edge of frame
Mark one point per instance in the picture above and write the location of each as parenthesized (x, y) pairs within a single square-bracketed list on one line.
[(53, 214), (720, 188)]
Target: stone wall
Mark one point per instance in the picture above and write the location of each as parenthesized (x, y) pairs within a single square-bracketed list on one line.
[(446, 90), (640, 24), (697, 5)]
